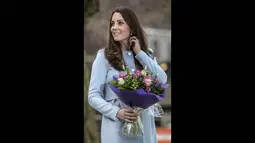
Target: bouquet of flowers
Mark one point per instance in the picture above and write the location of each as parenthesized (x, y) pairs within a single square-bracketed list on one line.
[(140, 91)]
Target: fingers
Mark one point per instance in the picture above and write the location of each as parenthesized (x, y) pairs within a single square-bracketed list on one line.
[(127, 120), (129, 110), (130, 118), (130, 114), (133, 39)]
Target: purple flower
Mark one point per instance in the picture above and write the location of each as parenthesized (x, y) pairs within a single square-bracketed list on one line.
[(122, 74), (164, 86), (115, 78)]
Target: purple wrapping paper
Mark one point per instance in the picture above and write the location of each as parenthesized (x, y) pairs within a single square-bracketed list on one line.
[(137, 98)]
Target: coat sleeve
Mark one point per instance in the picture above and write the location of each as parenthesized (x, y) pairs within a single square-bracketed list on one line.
[(152, 65), (96, 88)]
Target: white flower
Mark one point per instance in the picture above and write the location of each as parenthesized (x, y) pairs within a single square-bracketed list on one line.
[(143, 73), (121, 81)]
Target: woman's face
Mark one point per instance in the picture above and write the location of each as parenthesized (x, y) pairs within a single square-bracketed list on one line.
[(119, 28)]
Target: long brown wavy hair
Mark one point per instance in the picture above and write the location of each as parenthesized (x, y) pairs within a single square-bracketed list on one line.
[(113, 51)]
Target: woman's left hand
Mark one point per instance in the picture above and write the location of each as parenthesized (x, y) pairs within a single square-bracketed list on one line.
[(136, 47)]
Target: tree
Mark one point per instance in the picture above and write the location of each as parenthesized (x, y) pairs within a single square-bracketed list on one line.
[(91, 7), (90, 124)]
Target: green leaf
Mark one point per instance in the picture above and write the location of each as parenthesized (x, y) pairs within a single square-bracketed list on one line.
[(115, 83), (134, 76), (121, 88)]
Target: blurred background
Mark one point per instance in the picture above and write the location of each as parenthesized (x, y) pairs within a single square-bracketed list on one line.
[(155, 18)]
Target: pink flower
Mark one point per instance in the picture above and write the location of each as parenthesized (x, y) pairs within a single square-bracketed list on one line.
[(149, 77), (138, 73), (122, 74), (148, 89), (147, 81)]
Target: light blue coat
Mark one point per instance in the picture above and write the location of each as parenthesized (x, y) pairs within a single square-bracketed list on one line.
[(104, 100)]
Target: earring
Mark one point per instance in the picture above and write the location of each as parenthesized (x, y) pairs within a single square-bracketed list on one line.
[(131, 34)]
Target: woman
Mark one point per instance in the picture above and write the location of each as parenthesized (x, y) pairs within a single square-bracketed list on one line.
[(124, 30)]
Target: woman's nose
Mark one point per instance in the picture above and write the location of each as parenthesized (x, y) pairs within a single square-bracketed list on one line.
[(115, 26)]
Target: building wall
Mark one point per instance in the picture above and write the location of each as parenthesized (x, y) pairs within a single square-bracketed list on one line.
[(159, 40)]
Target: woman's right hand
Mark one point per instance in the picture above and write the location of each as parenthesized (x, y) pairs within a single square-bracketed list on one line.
[(127, 114)]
